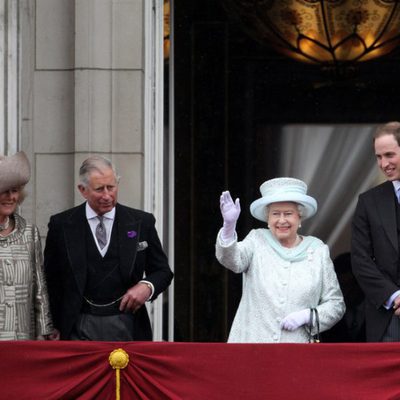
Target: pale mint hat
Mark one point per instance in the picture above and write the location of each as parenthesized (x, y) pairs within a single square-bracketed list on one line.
[(15, 171), (283, 189)]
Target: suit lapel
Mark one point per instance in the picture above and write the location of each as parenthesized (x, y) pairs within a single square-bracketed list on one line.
[(128, 236), (387, 211), (75, 241)]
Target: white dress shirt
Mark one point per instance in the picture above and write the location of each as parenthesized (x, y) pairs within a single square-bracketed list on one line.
[(108, 221)]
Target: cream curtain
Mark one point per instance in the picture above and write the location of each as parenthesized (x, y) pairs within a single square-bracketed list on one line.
[(337, 162)]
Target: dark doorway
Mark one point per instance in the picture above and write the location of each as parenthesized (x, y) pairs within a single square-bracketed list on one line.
[(232, 95)]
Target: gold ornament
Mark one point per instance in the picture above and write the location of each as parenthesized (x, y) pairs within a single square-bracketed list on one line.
[(118, 360)]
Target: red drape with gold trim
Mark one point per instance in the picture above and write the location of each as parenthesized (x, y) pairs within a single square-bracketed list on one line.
[(190, 371)]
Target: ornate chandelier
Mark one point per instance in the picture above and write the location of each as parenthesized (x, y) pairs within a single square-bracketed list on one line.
[(167, 16), (327, 32)]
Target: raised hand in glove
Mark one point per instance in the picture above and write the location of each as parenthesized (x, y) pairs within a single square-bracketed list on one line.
[(230, 213), (296, 319)]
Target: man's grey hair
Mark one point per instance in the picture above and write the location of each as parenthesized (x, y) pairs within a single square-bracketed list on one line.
[(98, 164)]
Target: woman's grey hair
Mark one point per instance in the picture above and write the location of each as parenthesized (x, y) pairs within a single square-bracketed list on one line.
[(95, 163), (300, 208)]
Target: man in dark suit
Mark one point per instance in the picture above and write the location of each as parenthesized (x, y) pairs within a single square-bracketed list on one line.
[(103, 261), (375, 241)]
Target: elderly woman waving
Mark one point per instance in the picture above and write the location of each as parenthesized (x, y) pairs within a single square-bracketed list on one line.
[(285, 274), (24, 306)]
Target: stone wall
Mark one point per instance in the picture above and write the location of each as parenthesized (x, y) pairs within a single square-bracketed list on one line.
[(82, 72)]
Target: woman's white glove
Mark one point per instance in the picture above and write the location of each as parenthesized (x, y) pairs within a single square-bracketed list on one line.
[(296, 319), (230, 213)]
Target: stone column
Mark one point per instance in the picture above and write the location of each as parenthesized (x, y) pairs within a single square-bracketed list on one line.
[(87, 87), (87, 97)]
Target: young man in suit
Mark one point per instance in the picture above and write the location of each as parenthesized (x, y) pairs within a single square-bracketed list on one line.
[(103, 261), (376, 239)]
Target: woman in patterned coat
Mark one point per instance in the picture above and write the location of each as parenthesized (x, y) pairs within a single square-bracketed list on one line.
[(284, 274), (24, 306)]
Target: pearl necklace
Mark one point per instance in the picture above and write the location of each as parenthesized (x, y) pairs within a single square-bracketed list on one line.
[(296, 242), (6, 225)]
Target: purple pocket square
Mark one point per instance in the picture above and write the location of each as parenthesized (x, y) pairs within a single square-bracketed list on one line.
[(131, 234)]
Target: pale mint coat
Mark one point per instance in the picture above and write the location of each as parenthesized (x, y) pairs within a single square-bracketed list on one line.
[(274, 287)]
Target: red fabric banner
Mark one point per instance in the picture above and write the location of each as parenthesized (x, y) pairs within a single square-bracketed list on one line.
[(191, 371)]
